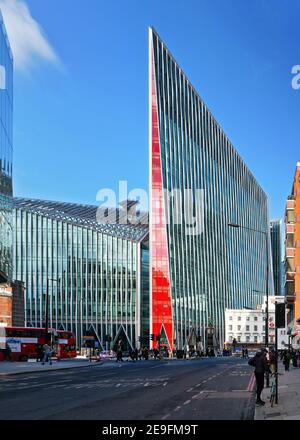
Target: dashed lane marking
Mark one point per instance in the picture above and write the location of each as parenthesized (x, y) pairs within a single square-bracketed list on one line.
[(187, 402), (165, 417)]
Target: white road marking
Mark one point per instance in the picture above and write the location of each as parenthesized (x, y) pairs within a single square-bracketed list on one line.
[(187, 402), (165, 417), (189, 390), (177, 408)]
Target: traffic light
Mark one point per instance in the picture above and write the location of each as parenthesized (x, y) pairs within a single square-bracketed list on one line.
[(280, 315)]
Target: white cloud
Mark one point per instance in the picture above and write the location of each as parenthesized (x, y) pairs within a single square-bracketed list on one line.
[(27, 39)]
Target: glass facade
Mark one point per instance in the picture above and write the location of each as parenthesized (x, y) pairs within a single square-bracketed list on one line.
[(194, 277), (6, 154), (94, 271), (275, 232)]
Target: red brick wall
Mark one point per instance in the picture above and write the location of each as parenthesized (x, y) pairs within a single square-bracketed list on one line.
[(6, 309)]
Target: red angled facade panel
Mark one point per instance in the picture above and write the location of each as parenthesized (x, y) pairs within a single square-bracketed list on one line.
[(162, 314)]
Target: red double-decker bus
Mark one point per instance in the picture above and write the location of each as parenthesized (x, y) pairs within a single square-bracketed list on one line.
[(27, 343)]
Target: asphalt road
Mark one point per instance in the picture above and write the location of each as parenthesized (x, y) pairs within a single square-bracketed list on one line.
[(203, 389)]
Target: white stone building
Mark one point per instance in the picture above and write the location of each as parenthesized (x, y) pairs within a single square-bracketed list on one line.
[(248, 325)]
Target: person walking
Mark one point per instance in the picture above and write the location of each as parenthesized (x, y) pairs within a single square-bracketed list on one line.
[(47, 349), (246, 353), (119, 355), (272, 361), (298, 359), (294, 358), (260, 364), (286, 360), (8, 352)]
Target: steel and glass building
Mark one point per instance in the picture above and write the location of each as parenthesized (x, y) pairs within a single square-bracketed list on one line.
[(198, 272), (6, 154), (275, 232), (96, 274)]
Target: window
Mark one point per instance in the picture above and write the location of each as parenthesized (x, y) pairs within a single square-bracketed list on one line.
[(255, 318), (255, 328), (247, 338), (239, 327), (255, 338), (239, 339), (239, 318), (247, 328), (230, 318), (230, 327), (290, 265), (247, 318)]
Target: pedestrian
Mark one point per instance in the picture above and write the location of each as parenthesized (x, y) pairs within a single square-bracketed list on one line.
[(246, 353), (207, 352), (131, 355), (156, 354), (294, 358), (243, 352), (298, 359), (8, 353), (272, 361), (47, 354), (39, 353), (286, 360), (260, 364), (145, 353), (119, 355)]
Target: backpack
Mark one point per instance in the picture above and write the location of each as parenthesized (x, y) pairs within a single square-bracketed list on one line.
[(251, 362)]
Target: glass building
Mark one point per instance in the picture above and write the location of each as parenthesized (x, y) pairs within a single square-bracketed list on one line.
[(197, 272), (6, 153), (275, 231), (97, 275)]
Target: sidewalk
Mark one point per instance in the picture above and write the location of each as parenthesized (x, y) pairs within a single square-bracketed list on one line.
[(12, 368), (288, 407)]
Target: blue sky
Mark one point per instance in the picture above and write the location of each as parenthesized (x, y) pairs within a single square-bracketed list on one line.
[(81, 109)]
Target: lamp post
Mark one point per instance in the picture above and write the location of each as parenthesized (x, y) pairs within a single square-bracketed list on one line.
[(234, 225)]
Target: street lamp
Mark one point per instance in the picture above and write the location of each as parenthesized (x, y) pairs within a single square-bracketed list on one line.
[(234, 225)]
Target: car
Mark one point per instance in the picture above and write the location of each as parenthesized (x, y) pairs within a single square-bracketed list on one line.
[(107, 354)]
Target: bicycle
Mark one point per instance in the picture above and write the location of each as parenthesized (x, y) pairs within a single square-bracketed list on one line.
[(273, 387)]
